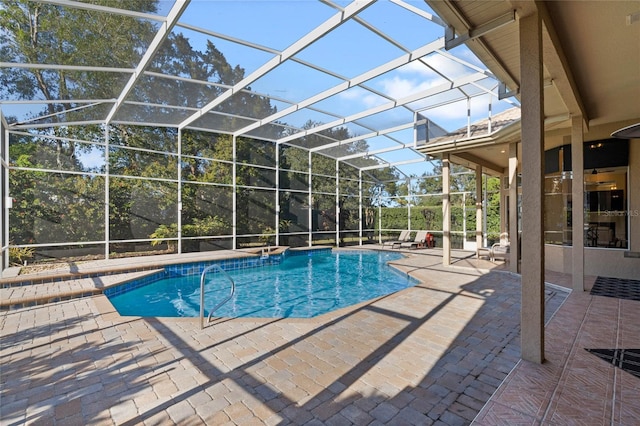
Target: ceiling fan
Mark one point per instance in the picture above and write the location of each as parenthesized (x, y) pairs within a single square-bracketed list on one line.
[(629, 132)]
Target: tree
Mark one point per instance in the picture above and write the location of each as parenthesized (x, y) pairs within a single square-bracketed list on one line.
[(146, 178), (37, 33)]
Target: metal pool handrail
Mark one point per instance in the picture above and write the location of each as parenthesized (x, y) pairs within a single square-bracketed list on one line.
[(233, 290)]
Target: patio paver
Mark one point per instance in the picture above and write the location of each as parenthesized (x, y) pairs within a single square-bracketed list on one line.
[(431, 354)]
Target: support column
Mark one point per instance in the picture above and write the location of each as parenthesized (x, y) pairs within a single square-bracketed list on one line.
[(337, 207), (107, 195), (408, 180), (310, 195), (479, 204), (446, 211), (234, 195), (577, 201), (532, 317), (504, 204), (179, 206), (277, 154), (379, 219), (513, 218), (360, 216)]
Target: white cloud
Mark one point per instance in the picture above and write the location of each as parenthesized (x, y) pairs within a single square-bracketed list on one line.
[(448, 67), (458, 111), (416, 67), (417, 77), (398, 87), (368, 99)]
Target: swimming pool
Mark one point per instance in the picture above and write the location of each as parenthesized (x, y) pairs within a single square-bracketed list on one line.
[(300, 286)]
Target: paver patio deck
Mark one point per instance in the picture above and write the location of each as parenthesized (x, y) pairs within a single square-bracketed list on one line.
[(431, 354)]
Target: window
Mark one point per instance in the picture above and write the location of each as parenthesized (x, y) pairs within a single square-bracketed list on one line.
[(605, 205), (557, 209)]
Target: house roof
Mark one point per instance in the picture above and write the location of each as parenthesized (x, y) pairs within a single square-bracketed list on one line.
[(591, 62)]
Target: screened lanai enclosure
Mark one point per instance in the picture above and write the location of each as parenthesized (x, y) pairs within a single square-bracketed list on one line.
[(146, 127)]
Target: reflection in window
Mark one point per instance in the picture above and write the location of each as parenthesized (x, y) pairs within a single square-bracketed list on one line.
[(606, 213), (557, 209), (605, 208)]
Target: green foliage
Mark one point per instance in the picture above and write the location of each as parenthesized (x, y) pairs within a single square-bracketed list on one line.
[(164, 232), (52, 207), (427, 218), (143, 189), (394, 218), (209, 226), (212, 225), (37, 32), (268, 235), (426, 211), (18, 255)]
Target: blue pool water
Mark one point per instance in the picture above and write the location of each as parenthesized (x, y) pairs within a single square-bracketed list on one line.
[(298, 287)]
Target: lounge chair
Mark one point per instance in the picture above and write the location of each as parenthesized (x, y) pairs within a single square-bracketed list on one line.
[(418, 242), (404, 237)]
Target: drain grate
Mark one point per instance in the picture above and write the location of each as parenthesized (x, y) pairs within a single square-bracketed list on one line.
[(617, 287), (626, 359)]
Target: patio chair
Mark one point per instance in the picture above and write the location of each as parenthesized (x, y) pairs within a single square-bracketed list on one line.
[(418, 242), (500, 249), (404, 237)]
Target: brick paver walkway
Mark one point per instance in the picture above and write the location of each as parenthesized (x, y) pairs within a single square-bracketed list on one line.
[(431, 354)]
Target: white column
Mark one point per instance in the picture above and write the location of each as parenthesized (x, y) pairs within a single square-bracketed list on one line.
[(577, 201), (464, 218), (277, 185), (360, 205), (446, 211), (179, 206), (408, 203), (532, 317), (310, 243), (504, 204), (337, 203), (379, 219), (513, 208), (485, 207), (107, 226), (234, 199)]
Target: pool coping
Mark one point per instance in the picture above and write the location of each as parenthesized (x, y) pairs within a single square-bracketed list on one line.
[(124, 265), (52, 292), (58, 285)]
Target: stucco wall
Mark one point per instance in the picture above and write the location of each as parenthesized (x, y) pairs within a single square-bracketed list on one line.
[(597, 262)]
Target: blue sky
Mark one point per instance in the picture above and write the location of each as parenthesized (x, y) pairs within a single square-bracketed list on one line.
[(348, 51)]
